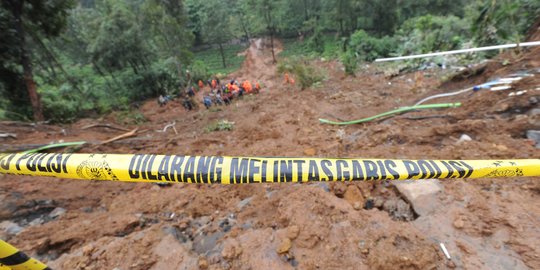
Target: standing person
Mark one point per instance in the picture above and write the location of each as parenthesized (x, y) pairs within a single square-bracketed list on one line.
[(207, 102), (201, 85), (187, 103), (190, 91), (162, 101), (257, 87), (214, 83), (286, 77), (247, 86)]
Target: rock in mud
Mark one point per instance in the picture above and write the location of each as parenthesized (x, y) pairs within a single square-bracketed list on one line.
[(421, 194), (535, 136), (284, 246), (310, 152), (57, 212), (464, 138), (203, 244), (203, 263), (243, 203), (293, 231), (231, 249), (10, 228), (323, 185), (354, 196)]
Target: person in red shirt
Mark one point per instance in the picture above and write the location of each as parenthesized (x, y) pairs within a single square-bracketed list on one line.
[(201, 84)]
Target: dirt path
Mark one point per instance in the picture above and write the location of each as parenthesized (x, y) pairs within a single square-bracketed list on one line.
[(484, 224), (258, 65)]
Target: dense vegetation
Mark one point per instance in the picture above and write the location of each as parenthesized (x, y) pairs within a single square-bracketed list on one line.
[(63, 59)]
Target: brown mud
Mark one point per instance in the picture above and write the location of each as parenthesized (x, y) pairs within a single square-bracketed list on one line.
[(484, 223)]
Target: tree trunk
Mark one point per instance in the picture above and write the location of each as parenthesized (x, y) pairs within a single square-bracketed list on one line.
[(272, 45), (306, 17), (244, 28), (222, 55), (27, 64)]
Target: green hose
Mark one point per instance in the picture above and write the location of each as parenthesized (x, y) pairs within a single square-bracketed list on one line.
[(396, 111), (54, 145)]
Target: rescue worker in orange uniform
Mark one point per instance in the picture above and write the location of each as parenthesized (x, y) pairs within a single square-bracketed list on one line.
[(214, 84), (201, 84), (247, 86), (257, 87)]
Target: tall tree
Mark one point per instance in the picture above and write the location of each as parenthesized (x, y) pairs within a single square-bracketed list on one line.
[(217, 24), (46, 17)]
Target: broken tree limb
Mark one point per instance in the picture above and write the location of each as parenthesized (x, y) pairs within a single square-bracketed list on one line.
[(170, 126), (122, 136), (106, 126), (8, 135)]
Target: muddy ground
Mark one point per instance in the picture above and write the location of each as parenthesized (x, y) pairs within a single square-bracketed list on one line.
[(484, 223)]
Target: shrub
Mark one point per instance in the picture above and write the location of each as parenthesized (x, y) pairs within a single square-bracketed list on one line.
[(305, 74), (349, 62), (432, 33), (369, 48), (199, 71), (220, 126)]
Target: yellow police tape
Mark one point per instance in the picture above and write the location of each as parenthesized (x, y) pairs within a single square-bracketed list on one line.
[(239, 170), (13, 259)]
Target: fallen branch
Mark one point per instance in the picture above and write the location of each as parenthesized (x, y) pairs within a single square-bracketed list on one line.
[(8, 135), (169, 126), (122, 136), (105, 125), (17, 123)]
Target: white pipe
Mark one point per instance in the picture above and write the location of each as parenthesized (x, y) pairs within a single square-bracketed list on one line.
[(444, 95), (506, 46)]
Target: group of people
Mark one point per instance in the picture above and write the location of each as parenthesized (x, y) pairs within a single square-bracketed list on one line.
[(220, 94)]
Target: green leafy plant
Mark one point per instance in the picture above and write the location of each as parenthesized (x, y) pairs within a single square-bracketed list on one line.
[(220, 125), (304, 73)]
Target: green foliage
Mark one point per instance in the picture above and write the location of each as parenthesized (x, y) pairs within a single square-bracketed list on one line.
[(503, 21), (304, 74), (432, 33), (199, 71), (112, 58), (369, 48), (130, 117), (349, 61), (294, 47), (90, 57), (316, 42), (220, 125), (212, 59)]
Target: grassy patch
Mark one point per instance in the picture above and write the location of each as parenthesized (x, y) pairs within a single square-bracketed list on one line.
[(212, 59), (130, 117), (294, 47), (220, 126)]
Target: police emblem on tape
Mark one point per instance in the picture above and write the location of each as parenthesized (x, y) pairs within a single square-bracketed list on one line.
[(95, 170)]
